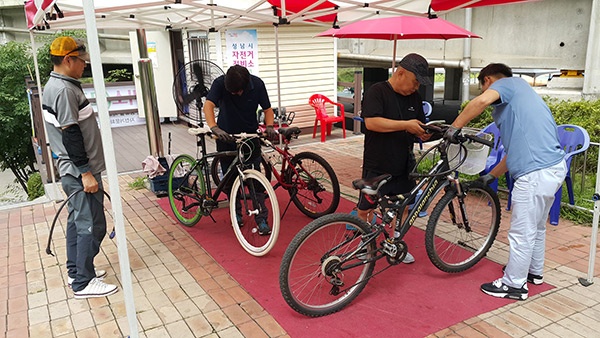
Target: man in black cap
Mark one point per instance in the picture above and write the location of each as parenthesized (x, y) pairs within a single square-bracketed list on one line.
[(393, 115)]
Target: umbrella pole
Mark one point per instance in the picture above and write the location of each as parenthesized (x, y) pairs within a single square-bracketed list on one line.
[(394, 54), (279, 110)]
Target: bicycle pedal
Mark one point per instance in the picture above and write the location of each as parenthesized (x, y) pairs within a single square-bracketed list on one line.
[(209, 203), (336, 281)]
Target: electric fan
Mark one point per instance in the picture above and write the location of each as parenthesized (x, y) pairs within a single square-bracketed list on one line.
[(191, 85)]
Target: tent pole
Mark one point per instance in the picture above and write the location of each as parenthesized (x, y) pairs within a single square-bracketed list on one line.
[(590, 276), (111, 164), (51, 189)]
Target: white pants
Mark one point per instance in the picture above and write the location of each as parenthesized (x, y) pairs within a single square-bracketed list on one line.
[(532, 197)]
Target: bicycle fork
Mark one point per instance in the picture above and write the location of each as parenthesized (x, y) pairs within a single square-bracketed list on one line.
[(255, 210), (460, 194)]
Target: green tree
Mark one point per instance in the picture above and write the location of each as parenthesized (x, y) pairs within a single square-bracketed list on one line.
[(16, 62), (16, 151)]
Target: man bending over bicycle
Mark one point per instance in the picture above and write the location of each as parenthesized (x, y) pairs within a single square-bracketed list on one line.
[(393, 114), (534, 159), (238, 94)]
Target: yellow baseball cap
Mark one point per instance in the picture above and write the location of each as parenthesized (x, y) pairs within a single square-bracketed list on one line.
[(66, 45)]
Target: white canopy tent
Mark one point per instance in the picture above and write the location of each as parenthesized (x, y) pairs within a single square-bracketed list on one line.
[(211, 15), (214, 15)]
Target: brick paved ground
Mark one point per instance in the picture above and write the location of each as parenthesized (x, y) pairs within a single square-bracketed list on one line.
[(180, 291)]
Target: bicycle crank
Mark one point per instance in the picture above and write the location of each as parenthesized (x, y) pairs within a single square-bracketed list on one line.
[(395, 250)]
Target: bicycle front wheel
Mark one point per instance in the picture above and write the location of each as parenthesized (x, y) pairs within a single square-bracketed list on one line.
[(254, 212), (315, 188), (186, 190), (324, 269), (457, 238)]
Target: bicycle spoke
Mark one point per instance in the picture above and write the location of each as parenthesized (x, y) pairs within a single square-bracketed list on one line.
[(254, 213), (316, 276), (451, 245), (316, 189), (186, 190)]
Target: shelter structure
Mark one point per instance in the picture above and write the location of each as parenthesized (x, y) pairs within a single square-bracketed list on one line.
[(216, 17)]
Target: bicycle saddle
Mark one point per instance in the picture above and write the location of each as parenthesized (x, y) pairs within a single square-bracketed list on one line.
[(288, 133), (370, 186)]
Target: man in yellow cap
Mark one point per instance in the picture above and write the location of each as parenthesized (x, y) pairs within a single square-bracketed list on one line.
[(74, 136)]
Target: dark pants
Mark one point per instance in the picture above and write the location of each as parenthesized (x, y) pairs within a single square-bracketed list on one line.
[(86, 228), (397, 185), (252, 154)]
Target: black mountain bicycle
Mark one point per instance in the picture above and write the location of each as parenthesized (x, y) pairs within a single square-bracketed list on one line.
[(330, 261), (252, 200)]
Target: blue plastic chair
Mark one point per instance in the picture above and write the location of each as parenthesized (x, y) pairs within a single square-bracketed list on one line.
[(427, 110), (574, 140), (495, 156)]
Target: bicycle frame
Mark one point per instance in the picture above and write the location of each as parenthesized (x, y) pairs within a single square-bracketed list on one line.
[(236, 168), (286, 164)]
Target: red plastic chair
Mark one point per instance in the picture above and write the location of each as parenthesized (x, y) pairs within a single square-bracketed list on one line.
[(318, 102)]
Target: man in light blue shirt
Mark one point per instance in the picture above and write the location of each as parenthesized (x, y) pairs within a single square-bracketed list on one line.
[(536, 162)]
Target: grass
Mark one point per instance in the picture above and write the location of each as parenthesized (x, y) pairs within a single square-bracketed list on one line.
[(138, 183)]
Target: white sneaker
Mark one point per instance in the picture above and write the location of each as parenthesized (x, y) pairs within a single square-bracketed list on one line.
[(96, 288), (99, 274), (408, 259)]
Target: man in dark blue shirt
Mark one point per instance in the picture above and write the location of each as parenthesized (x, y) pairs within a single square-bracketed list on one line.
[(238, 94)]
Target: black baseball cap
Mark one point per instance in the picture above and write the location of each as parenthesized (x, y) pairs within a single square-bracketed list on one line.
[(417, 64)]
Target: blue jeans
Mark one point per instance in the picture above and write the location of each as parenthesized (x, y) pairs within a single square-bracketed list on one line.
[(86, 228)]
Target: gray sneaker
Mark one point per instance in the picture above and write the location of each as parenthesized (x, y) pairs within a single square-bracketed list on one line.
[(408, 259), (96, 288), (99, 274)]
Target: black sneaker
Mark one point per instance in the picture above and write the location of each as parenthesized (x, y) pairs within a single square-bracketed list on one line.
[(535, 279), (501, 290), (531, 278)]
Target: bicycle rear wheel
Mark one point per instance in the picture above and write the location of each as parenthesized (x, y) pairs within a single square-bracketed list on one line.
[(186, 189), (255, 202), (320, 273), (216, 173), (316, 190), (455, 244)]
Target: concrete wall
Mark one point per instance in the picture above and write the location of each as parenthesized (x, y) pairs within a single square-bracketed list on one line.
[(544, 34)]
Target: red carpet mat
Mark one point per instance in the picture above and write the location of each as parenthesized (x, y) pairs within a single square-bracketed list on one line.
[(404, 301)]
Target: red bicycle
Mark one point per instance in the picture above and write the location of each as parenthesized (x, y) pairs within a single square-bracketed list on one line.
[(310, 181)]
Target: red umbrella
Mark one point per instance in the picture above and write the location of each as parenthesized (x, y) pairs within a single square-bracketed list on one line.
[(399, 28), (447, 5)]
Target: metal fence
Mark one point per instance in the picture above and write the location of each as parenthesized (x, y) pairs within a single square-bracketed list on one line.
[(583, 174)]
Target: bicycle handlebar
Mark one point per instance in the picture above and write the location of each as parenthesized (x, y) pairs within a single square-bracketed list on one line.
[(206, 131), (440, 129)]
